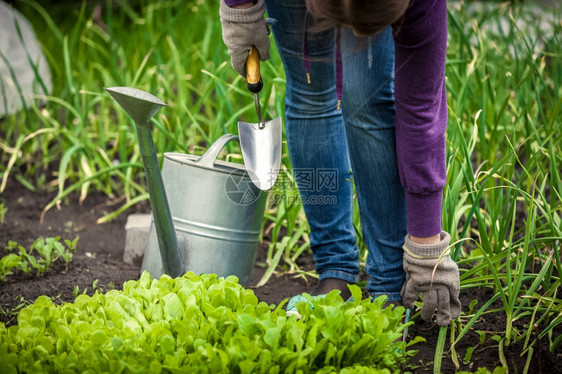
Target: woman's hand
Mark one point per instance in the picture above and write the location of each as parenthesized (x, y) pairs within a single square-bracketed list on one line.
[(431, 272), (244, 26)]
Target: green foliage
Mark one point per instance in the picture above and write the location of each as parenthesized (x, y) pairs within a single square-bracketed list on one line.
[(498, 370), (3, 210), (148, 45), (502, 199), (504, 186), (40, 257), (201, 324), (7, 264), (11, 314)]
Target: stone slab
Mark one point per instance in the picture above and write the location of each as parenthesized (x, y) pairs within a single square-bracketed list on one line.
[(136, 240)]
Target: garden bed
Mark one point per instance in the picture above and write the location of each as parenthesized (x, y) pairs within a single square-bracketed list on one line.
[(97, 265)]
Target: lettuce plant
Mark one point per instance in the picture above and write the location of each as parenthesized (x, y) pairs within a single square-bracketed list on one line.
[(201, 324), (7, 264), (40, 257)]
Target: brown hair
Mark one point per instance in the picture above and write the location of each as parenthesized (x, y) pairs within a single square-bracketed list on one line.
[(365, 17)]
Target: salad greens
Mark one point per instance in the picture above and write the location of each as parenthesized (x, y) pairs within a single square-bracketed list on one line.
[(40, 257), (202, 324)]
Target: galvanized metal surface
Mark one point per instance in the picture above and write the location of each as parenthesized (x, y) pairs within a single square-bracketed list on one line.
[(216, 210), (261, 150), (260, 142), (207, 213), (141, 106)]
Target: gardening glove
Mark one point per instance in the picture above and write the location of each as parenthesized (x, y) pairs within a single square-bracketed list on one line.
[(242, 28), (431, 272)]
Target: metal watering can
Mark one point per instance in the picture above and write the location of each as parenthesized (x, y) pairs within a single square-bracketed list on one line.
[(207, 213)]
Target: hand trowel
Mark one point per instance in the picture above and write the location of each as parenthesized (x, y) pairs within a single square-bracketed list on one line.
[(260, 142)]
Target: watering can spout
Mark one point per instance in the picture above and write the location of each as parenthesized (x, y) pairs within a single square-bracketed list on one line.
[(141, 106)]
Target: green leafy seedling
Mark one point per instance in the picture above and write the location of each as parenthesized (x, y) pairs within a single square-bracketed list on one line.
[(76, 291), (13, 245), (12, 313), (47, 252), (45, 248), (67, 254), (24, 267), (482, 336), (7, 264), (71, 245), (34, 264), (472, 305)]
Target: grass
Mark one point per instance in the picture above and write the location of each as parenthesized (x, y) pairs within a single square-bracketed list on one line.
[(502, 201)]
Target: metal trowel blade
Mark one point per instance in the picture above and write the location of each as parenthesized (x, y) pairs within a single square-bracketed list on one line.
[(261, 151)]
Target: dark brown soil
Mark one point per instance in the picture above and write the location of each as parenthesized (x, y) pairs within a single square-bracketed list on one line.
[(98, 264)]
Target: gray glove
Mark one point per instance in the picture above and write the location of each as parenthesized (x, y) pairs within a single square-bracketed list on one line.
[(438, 285), (242, 28)]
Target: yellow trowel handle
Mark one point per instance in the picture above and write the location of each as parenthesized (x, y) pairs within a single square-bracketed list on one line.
[(253, 76)]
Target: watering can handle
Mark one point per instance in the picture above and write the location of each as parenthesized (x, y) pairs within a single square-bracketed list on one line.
[(208, 158)]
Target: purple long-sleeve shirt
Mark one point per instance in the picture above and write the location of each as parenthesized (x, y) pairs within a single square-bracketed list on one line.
[(421, 111), (232, 3)]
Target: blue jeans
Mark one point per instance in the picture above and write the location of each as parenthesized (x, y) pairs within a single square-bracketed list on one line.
[(329, 148)]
